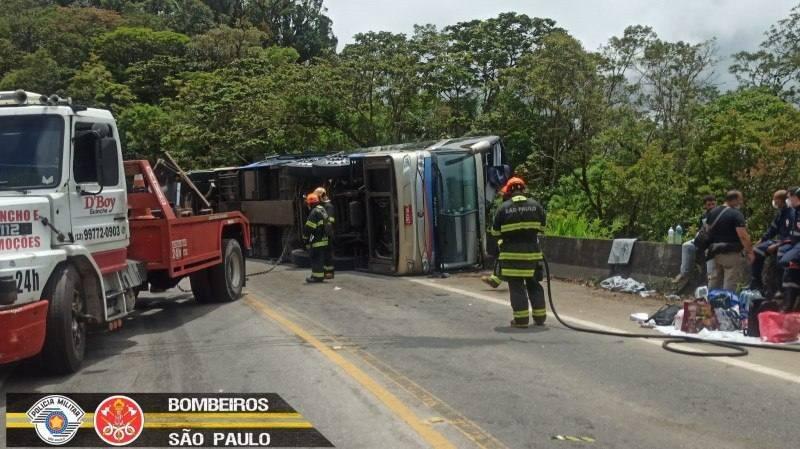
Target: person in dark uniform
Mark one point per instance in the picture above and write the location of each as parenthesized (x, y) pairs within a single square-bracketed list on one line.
[(790, 259), (317, 238), (330, 209), (777, 234), (518, 222)]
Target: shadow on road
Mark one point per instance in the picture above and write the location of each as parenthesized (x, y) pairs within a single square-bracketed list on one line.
[(154, 314), (516, 330)]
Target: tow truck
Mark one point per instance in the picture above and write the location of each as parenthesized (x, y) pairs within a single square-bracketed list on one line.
[(82, 232)]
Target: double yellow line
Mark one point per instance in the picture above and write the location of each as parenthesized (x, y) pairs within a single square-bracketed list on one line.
[(157, 420)]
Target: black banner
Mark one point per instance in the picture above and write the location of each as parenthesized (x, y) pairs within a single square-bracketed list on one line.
[(166, 420)]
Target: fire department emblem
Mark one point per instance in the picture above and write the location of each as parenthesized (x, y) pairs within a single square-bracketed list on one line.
[(56, 419), (119, 420)]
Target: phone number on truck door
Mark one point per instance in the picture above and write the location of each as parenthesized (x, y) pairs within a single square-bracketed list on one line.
[(99, 233)]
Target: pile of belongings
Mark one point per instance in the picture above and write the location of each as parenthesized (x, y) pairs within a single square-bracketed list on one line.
[(625, 285), (724, 315)]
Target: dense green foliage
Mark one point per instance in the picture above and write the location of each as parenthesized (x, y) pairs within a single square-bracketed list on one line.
[(619, 141)]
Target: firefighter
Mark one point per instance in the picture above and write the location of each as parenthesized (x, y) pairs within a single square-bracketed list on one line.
[(331, 211), (494, 280), (518, 223), (318, 241)]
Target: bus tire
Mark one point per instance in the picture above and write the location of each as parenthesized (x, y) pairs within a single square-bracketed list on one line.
[(65, 339), (227, 279)]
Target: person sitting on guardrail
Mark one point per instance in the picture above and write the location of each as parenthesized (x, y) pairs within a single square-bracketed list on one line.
[(776, 235)]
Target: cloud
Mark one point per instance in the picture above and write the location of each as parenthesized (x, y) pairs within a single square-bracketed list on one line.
[(736, 24)]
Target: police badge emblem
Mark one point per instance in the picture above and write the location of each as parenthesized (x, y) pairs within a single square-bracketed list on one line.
[(56, 419)]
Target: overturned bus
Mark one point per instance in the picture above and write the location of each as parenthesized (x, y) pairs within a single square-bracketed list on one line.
[(400, 209)]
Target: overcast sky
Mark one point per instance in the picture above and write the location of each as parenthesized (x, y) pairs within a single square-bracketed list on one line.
[(737, 24)]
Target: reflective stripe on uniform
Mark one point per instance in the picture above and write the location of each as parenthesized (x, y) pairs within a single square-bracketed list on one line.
[(328, 268), (317, 275), (520, 256), (522, 226), (311, 224), (539, 312), (517, 273), (319, 244), (495, 233), (518, 198), (495, 279), (521, 314)]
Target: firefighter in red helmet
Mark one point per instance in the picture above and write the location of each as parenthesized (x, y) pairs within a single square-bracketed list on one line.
[(331, 211), (317, 233), (518, 222)]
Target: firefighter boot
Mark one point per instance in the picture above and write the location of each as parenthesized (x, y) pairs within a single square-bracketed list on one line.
[(314, 280), (492, 281)]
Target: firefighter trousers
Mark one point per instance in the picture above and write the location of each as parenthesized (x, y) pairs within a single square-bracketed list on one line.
[(318, 262), (523, 291), (327, 262)]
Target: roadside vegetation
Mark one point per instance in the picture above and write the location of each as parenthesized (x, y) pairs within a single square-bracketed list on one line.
[(622, 140)]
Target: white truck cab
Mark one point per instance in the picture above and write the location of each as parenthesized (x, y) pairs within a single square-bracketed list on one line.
[(64, 228)]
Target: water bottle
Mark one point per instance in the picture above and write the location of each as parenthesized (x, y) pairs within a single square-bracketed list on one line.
[(671, 236), (679, 235)]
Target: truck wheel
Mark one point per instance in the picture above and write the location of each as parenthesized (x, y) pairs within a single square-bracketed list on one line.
[(201, 287), (65, 341), (227, 278)]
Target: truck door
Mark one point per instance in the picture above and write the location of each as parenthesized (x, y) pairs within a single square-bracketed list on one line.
[(98, 196)]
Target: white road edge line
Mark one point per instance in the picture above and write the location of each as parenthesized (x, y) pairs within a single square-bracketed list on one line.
[(754, 367)]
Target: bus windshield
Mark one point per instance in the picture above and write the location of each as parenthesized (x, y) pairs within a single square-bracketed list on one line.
[(30, 151)]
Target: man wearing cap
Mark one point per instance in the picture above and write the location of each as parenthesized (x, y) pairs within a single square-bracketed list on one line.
[(317, 237), (518, 223), (322, 194), (776, 235)]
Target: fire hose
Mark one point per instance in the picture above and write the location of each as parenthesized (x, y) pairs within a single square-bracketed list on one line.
[(734, 349)]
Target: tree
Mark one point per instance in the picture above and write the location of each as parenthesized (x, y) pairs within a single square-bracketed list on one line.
[(38, 72), (11, 57), (142, 128), (300, 24), (550, 109), (93, 85), (184, 16), (125, 46), (222, 45), (496, 44), (776, 65)]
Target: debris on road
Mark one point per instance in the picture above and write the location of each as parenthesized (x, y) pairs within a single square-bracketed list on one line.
[(624, 285)]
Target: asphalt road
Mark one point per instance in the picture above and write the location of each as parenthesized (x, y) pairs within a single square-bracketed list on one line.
[(381, 362)]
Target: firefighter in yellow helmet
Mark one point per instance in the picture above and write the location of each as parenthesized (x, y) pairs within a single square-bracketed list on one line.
[(316, 232), (331, 211), (518, 223)]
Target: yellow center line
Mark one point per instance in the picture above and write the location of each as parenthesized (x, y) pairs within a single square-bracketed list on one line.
[(435, 439)]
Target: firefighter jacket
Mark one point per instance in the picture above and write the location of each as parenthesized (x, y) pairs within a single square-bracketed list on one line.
[(316, 227), (518, 223), (330, 209)]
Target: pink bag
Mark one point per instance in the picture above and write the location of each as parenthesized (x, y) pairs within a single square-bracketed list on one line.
[(779, 327)]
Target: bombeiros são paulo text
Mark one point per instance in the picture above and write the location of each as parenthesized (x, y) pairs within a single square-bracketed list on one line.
[(248, 405)]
